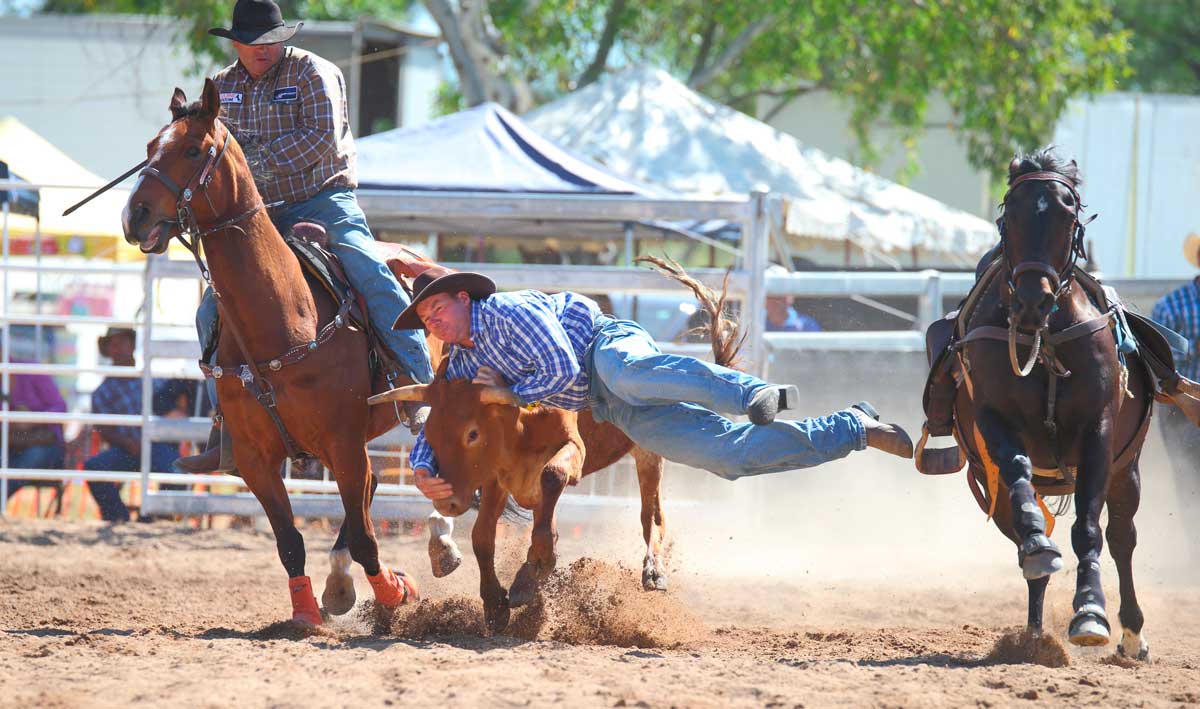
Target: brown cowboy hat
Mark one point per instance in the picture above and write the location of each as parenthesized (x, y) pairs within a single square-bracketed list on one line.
[(1191, 249), (439, 279), (106, 338), (257, 22)]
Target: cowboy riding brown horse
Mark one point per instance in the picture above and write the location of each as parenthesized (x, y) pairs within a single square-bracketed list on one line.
[(294, 375), (1049, 405)]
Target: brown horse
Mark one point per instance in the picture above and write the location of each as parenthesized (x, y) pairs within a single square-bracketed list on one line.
[(197, 180), (1067, 416)]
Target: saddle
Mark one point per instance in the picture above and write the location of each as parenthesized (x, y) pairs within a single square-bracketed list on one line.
[(309, 242), (1141, 341)]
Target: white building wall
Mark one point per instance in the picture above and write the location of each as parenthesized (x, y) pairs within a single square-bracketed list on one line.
[(1140, 155), (98, 88), (822, 120)]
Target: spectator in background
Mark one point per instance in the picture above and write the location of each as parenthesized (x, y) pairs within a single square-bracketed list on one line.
[(116, 395), (1180, 311), (36, 446), (174, 399), (782, 315)]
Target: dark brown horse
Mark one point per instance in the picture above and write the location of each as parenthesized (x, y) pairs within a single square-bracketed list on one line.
[(1053, 411), (197, 180)]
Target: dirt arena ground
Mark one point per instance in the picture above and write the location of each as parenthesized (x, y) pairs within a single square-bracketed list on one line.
[(164, 615)]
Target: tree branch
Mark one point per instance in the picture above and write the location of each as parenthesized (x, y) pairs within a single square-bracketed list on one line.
[(612, 25), (478, 55), (706, 43), (788, 92), (736, 49)]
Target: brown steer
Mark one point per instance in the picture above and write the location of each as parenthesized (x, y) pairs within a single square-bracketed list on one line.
[(484, 442)]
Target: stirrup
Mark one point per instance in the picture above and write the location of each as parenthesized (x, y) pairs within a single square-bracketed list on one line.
[(938, 461)]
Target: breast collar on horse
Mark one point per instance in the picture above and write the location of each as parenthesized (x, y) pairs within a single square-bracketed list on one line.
[(250, 376), (1060, 283)]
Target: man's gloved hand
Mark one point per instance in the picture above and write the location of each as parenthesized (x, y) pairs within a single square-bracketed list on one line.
[(431, 487)]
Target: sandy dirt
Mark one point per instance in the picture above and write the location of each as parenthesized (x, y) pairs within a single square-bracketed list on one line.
[(165, 615)]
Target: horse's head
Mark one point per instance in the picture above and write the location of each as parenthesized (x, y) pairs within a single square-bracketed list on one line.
[(472, 430), (1041, 233), (182, 167)]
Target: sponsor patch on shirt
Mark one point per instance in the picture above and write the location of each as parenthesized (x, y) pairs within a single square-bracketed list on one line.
[(231, 97), (288, 94)]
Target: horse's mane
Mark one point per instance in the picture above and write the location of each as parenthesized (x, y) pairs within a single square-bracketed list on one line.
[(1044, 160)]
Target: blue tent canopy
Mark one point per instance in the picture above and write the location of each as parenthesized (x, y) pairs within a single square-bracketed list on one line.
[(482, 149)]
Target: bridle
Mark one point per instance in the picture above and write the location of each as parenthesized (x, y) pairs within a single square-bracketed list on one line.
[(198, 183), (1060, 279)]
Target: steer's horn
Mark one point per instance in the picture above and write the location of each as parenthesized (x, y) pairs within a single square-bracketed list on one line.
[(500, 395), (413, 392)]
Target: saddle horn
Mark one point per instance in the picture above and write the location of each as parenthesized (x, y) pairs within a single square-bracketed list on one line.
[(413, 392)]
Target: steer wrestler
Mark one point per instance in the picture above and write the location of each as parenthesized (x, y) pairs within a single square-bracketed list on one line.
[(559, 350)]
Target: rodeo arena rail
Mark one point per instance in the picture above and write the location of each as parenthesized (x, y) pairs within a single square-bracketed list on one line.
[(167, 352)]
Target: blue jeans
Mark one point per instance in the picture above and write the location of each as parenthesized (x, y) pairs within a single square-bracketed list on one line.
[(351, 241), (50, 457), (108, 495), (667, 404)]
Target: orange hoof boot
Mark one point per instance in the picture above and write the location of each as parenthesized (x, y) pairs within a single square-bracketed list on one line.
[(392, 589), (304, 603)]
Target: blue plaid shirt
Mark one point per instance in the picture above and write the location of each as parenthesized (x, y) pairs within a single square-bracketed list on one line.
[(119, 395), (537, 341), (1180, 311)]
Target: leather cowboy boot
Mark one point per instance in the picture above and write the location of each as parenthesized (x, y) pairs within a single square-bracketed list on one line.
[(887, 437), (417, 412), (216, 458)]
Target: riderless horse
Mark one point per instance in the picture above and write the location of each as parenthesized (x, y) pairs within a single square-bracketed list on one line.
[(293, 372), (1051, 402)]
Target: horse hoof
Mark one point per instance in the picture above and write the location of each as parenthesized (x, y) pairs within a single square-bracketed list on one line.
[(1089, 627), (1043, 564), (444, 556), (338, 597), (1133, 645)]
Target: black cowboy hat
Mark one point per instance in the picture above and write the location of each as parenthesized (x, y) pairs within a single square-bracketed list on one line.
[(442, 280), (102, 342), (257, 22)]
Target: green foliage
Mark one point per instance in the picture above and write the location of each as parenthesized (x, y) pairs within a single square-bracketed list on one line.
[(1006, 67), (1165, 44)]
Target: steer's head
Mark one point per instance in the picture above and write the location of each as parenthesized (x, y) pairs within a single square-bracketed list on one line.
[(472, 429)]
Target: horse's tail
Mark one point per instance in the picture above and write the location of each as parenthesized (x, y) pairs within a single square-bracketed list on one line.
[(726, 336)]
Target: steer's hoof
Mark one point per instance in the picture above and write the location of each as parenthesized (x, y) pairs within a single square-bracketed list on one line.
[(652, 578), (1089, 627), (495, 616), (338, 597), (444, 556), (524, 587)]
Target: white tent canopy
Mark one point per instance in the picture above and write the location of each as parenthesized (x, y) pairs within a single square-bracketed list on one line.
[(645, 125)]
